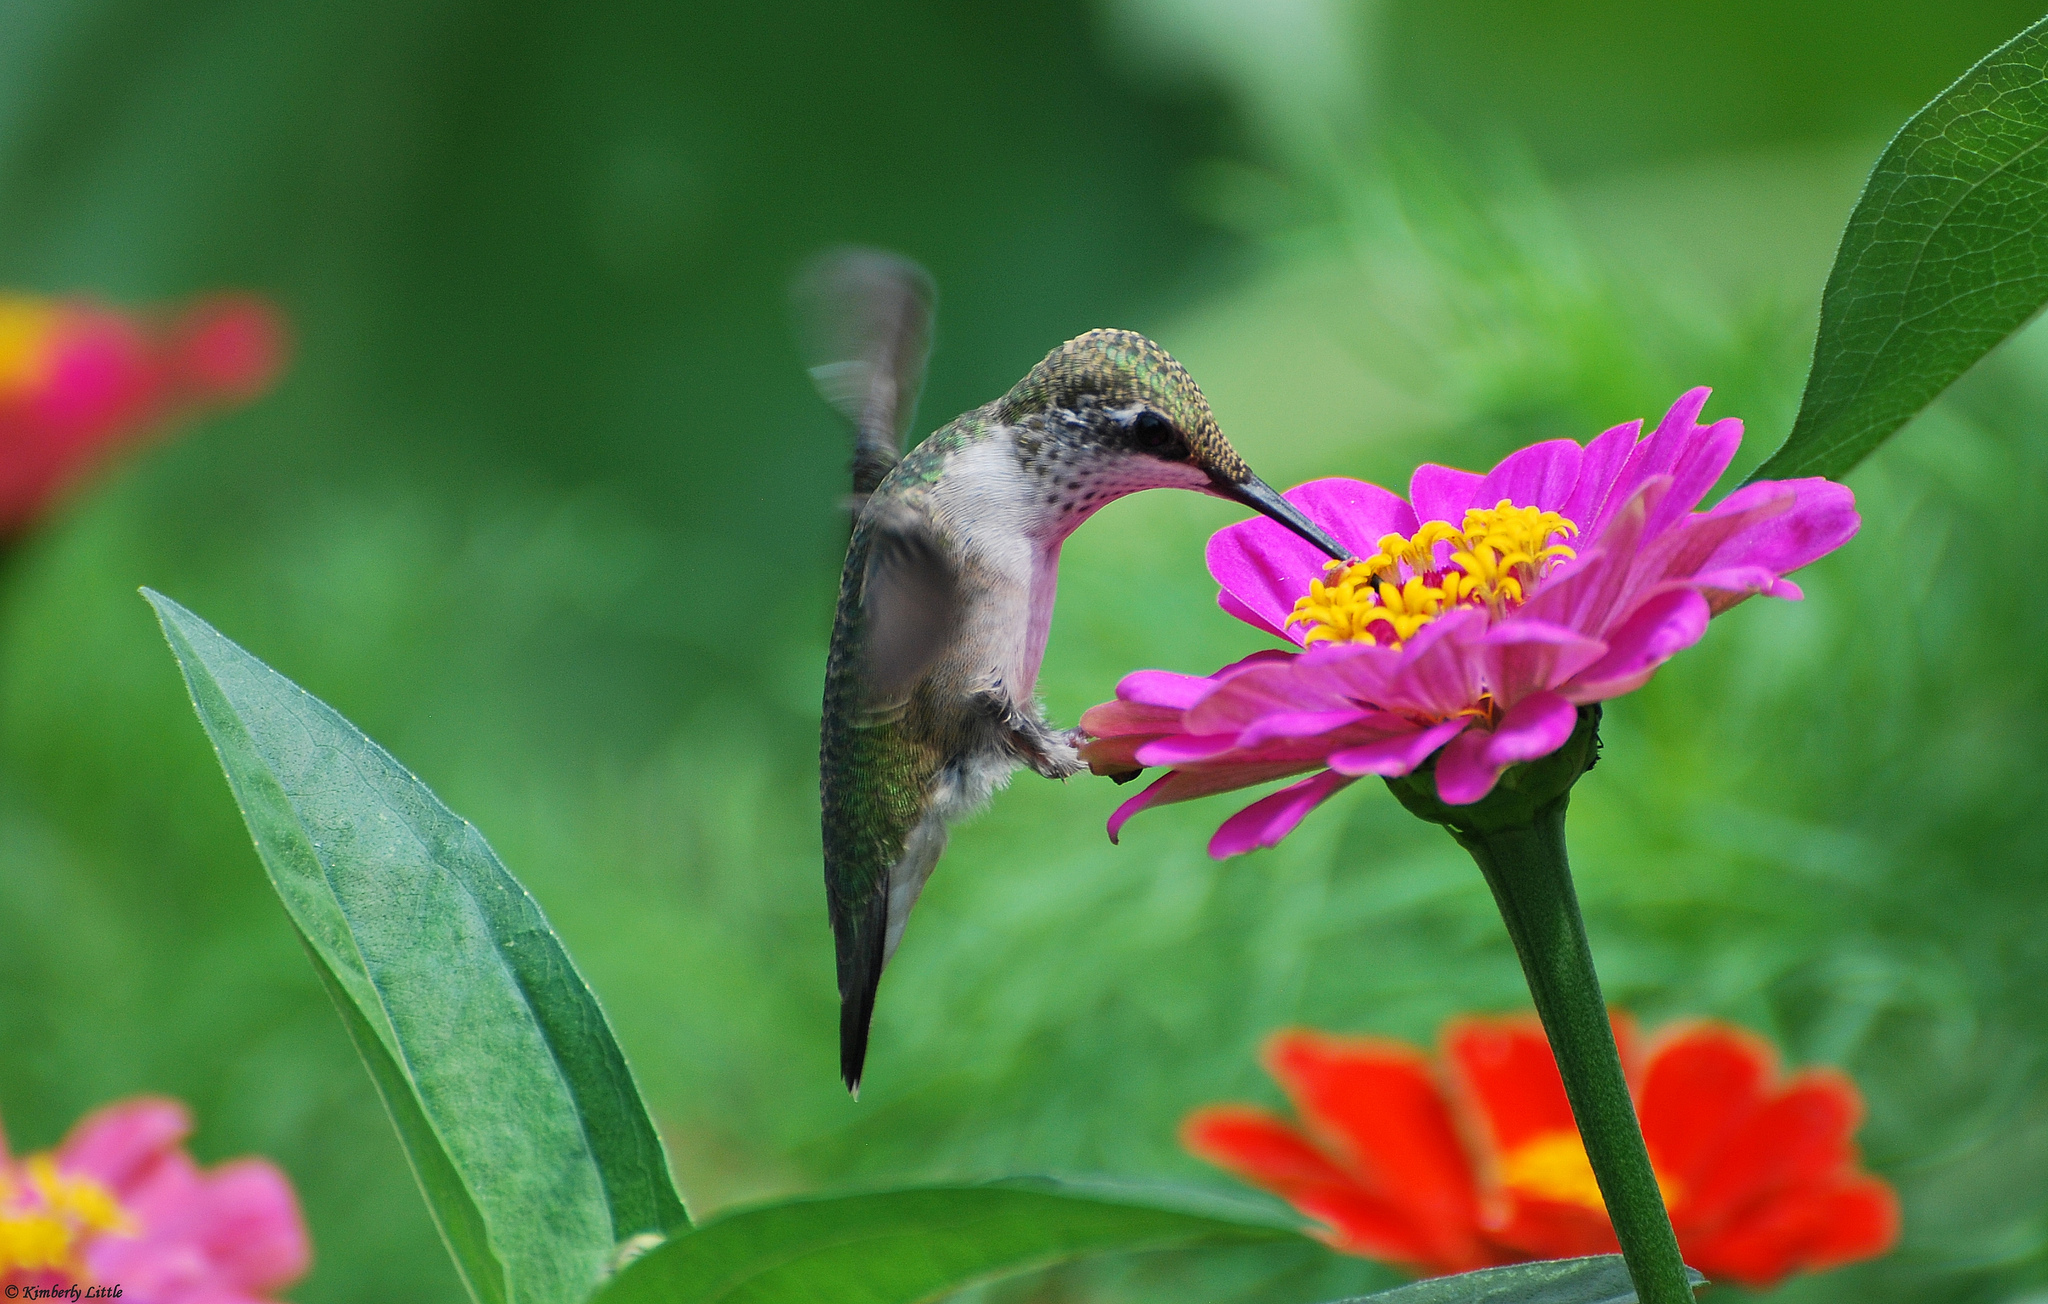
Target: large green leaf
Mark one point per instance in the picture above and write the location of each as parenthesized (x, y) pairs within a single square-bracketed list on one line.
[(512, 1099), (1599, 1280), (1945, 255), (897, 1247)]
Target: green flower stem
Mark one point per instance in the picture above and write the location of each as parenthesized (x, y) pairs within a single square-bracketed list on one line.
[(1517, 836)]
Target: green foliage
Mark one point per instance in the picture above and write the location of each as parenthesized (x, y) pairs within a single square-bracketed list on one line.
[(900, 1247), (1945, 256), (1599, 1280), (548, 507), (522, 1121)]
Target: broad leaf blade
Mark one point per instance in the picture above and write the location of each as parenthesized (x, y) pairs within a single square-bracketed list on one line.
[(1945, 255), (898, 1247), (522, 1120), (1599, 1280)]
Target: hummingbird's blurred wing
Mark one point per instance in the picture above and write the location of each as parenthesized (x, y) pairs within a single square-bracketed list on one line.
[(910, 607), (865, 320)]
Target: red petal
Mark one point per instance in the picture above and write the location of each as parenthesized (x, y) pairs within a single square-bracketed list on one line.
[(1700, 1083), (1502, 1070), (1809, 1229), (1799, 1136), (1376, 1102), (1274, 1157), (1548, 1229)]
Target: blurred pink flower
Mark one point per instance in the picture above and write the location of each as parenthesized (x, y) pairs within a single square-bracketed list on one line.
[(119, 1202), (78, 380), (1575, 573)]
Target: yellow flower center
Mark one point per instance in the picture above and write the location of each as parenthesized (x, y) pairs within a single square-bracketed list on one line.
[(46, 1222), (1492, 562), (25, 330), (1553, 1166)]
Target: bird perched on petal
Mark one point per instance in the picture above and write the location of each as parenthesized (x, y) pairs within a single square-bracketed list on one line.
[(120, 1203), (79, 380), (1473, 620), (1475, 1161)]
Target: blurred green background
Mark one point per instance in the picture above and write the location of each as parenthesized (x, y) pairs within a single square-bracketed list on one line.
[(547, 506)]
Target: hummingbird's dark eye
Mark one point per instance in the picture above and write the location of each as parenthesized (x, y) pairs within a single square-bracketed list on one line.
[(1156, 435)]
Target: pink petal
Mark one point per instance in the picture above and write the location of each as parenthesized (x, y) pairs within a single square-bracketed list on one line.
[(1724, 588), (1472, 763), (1588, 594), (1442, 493), (1186, 785), (1317, 680), (1400, 754), (1117, 719), (1302, 724), (1267, 569), (1231, 603), (1163, 688), (1176, 749), (253, 1229), (1461, 776), (1521, 656), (120, 1144), (1541, 475), (1661, 628), (1266, 821), (1599, 469), (1439, 672), (1822, 517), (1691, 455)]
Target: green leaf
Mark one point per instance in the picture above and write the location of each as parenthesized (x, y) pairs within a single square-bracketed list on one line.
[(511, 1098), (1599, 1280), (1945, 255), (896, 1247)]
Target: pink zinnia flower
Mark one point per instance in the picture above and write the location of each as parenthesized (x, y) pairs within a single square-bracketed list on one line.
[(120, 1203), (1486, 611), (78, 380)]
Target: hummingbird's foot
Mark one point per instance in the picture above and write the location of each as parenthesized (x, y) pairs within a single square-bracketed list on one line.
[(1051, 752)]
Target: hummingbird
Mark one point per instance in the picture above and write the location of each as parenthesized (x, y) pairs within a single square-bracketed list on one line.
[(947, 593)]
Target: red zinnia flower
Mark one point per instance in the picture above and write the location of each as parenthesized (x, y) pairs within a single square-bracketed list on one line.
[(78, 380), (1485, 1166)]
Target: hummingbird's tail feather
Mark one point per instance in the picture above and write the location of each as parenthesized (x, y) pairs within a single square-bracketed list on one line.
[(862, 954), (867, 938), (865, 317)]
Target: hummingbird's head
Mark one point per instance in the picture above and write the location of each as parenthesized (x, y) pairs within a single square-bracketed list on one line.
[(1110, 413)]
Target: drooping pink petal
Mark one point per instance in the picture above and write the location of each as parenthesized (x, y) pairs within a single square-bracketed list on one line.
[(1266, 821), (1396, 754), (1541, 475), (1268, 569), (1186, 785), (1180, 748), (1289, 725), (1472, 763), (1442, 493), (1662, 627)]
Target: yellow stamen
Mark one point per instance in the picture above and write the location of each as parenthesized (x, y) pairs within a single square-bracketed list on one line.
[(1493, 561), (1553, 1166), (46, 1222), (25, 330)]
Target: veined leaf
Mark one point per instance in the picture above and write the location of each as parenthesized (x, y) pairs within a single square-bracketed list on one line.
[(1602, 1279), (511, 1098), (898, 1247), (1946, 254)]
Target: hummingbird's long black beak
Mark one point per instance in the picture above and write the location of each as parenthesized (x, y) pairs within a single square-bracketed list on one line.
[(1260, 497)]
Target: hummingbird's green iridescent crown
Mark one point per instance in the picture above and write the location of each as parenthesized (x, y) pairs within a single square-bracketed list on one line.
[(1112, 368)]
